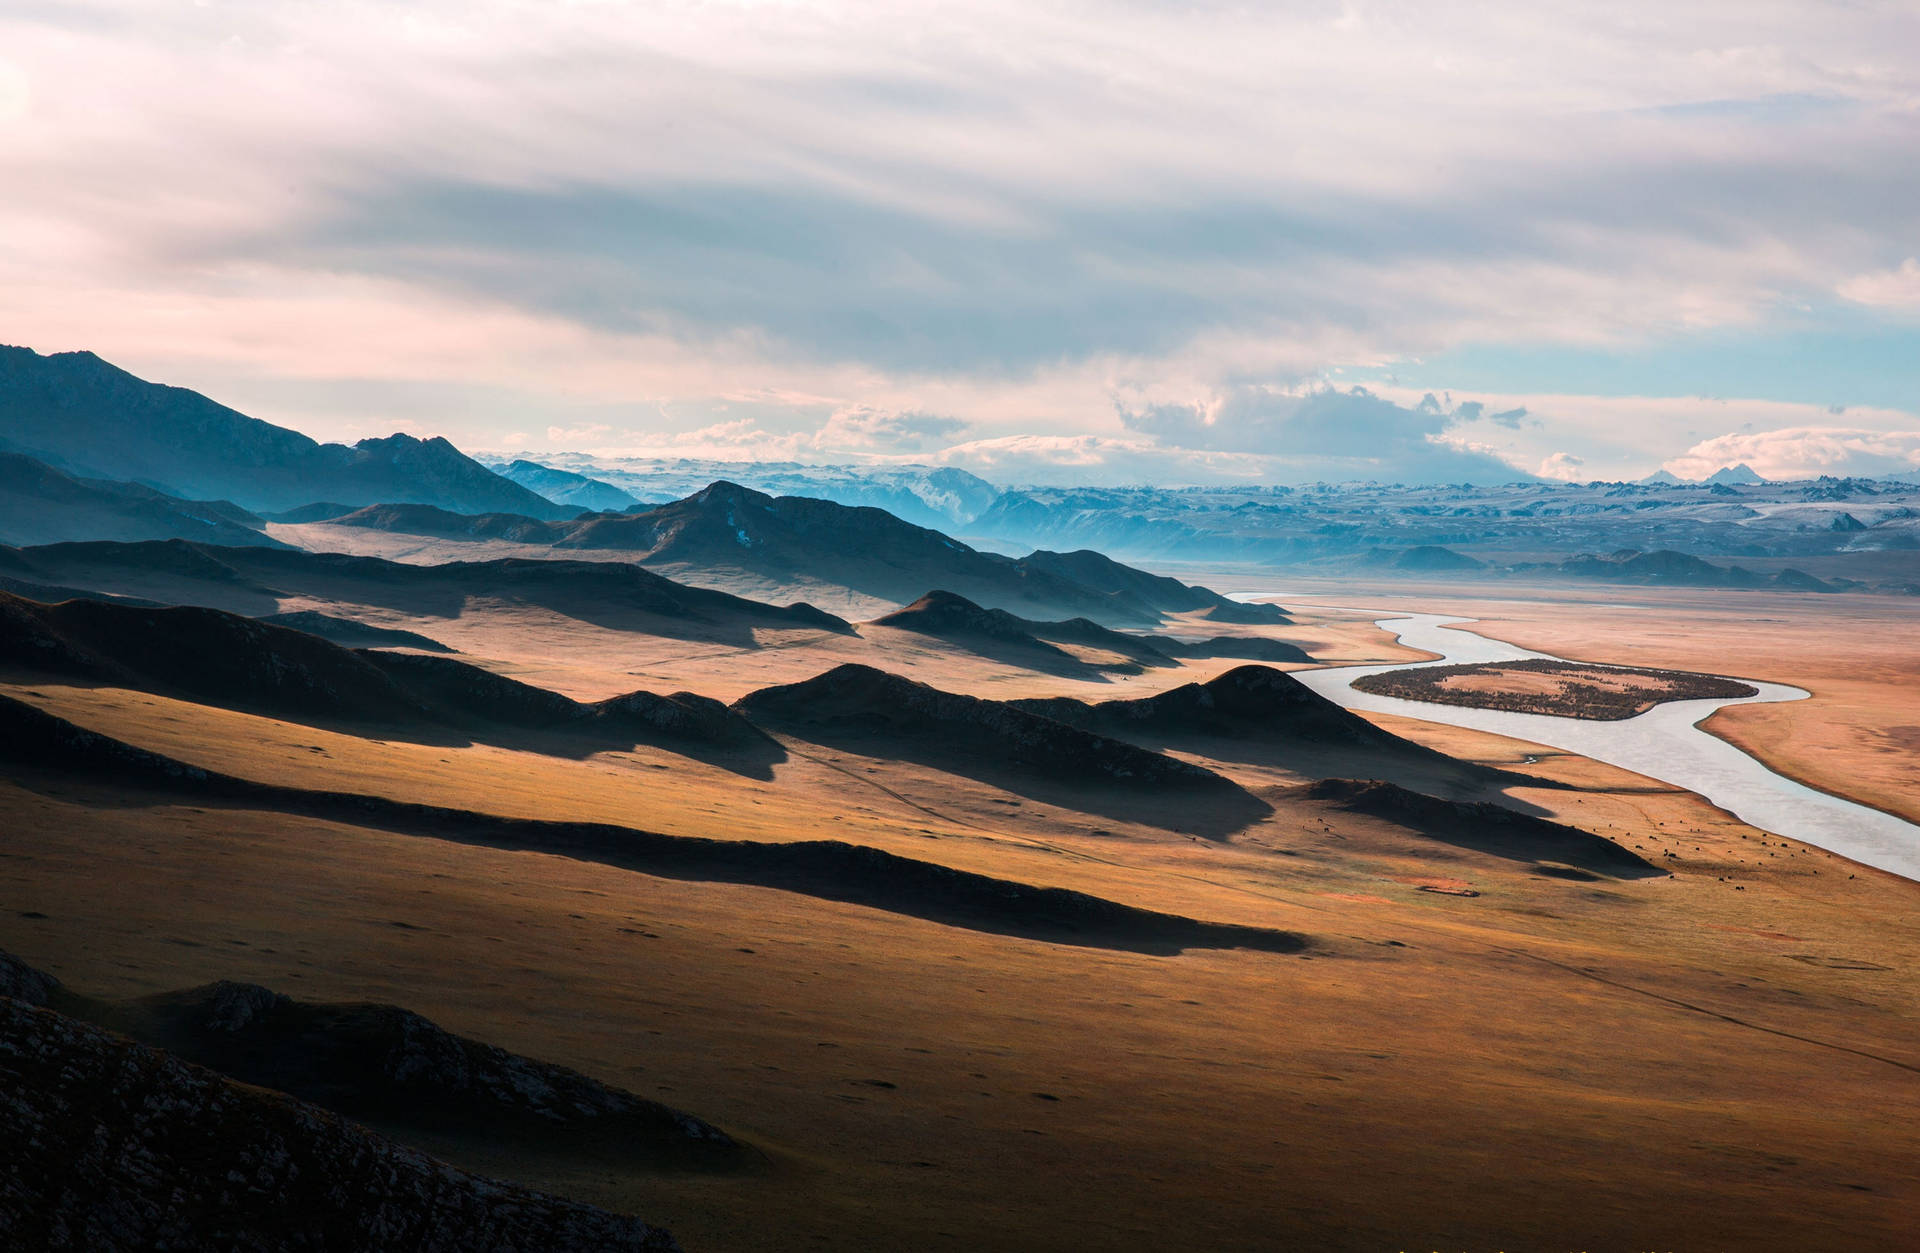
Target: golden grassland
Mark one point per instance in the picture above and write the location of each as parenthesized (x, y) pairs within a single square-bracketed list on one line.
[(1722, 1059)]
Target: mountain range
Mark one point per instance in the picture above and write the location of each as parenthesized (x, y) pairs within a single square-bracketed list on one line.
[(726, 533), (92, 419)]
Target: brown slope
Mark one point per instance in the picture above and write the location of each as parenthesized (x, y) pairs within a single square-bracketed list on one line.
[(214, 658), (869, 551), (729, 530), (205, 655), (32, 739), (1487, 828), (1234, 647), (861, 709)]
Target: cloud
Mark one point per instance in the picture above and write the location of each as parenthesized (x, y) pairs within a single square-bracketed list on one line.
[(866, 429), (585, 433), (1806, 452), (1329, 433), (1564, 466), (1896, 288), (1000, 213)]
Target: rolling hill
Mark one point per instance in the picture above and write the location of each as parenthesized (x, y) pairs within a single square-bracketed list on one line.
[(211, 657)]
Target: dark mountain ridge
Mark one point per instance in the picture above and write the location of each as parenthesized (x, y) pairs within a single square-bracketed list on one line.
[(726, 527), (254, 581), (39, 504), (1021, 641), (90, 418)]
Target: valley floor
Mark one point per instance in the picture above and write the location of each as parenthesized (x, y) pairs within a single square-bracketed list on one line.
[(1475, 1051)]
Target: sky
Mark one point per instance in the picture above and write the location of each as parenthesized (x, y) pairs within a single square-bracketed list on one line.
[(1171, 242)]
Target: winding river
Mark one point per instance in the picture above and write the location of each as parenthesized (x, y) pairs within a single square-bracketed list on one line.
[(1665, 743)]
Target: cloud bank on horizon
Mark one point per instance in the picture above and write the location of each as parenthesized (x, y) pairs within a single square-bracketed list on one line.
[(1121, 242)]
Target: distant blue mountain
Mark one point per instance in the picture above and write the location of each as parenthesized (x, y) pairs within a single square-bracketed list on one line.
[(82, 415)]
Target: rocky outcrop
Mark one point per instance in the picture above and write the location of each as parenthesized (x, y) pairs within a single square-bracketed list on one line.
[(112, 1145)]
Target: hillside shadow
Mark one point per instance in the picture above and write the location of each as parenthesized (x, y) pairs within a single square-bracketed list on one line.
[(751, 758), (1493, 829), (1209, 806), (828, 870), (1039, 657), (1412, 766)]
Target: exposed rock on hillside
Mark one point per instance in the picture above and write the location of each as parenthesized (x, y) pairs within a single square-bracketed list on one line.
[(112, 1145)]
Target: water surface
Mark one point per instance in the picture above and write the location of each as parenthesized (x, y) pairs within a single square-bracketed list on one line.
[(1664, 743)]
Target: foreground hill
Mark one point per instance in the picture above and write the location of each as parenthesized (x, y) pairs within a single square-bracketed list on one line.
[(114, 1146), (91, 418), (728, 530), (42, 505), (395, 1069)]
